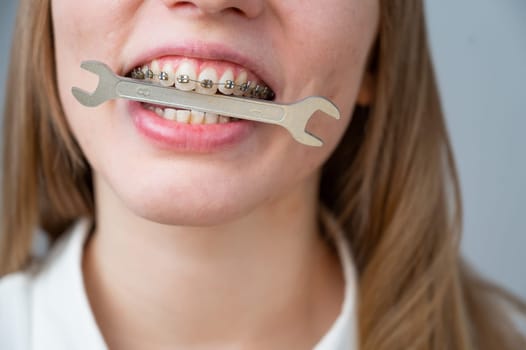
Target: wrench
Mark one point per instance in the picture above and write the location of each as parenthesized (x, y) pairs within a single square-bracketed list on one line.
[(293, 117)]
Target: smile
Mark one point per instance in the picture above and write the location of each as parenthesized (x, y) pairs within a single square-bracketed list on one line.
[(204, 77)]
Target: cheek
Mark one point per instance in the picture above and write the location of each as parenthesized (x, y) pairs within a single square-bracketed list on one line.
[(74, 36), (334, 38), (76, 39), (87, 30)]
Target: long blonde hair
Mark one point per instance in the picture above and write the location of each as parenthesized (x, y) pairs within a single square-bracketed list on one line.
[(391, 183)]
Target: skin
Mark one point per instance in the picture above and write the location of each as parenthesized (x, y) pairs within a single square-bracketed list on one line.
[(221, 250)]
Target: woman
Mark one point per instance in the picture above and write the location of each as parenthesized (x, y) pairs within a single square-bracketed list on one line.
[(233, 235)]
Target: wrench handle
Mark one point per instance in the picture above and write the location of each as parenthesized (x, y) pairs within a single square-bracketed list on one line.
[(231, 107)]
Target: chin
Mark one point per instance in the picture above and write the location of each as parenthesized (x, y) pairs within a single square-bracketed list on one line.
[(182, 205), (177, 215)]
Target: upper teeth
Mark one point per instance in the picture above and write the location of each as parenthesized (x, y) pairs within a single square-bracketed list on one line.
[(185, 78), (208, 80)]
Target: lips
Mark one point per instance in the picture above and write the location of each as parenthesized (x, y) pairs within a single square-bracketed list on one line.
[(186, 136)]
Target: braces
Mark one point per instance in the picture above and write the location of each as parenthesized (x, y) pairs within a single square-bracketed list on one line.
[(247, 89), (293, 117)]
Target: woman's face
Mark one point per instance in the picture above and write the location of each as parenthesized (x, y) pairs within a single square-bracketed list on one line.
[(178, 173)]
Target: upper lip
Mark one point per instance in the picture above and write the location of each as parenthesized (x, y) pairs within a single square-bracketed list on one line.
[(204, 50)]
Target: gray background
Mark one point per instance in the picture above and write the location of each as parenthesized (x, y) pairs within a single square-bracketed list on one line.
[(479, 48)]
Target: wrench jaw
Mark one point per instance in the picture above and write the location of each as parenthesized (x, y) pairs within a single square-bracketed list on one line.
[(318, 103), (296, 123), (105, 89), (299, 115), (308, 139), (87, 99)]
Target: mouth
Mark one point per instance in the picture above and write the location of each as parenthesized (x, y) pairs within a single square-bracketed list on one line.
[(208, 77), (205, 68)]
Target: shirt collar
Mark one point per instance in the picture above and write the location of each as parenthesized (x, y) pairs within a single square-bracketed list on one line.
[(62, 317), (343, 334)]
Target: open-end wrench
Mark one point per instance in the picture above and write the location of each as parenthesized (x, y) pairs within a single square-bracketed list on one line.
[(293, 117)]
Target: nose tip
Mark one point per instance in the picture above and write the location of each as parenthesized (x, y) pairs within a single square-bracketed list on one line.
[(248, 8)]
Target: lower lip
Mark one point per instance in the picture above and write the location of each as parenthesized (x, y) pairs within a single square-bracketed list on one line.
[(171, 135)]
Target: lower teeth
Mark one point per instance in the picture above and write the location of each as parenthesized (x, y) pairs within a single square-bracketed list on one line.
[(189, 117)]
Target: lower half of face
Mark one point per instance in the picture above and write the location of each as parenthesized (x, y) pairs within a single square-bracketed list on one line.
[(185, 167)]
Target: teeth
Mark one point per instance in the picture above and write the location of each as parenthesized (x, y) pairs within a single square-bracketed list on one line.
[(226, 82), (189, 117), (168, 70), (170, 114), (207, 80), (156, 69), (150, 107), (186, 70), (148, 74), (183, 116), (240, 80), (247, 88), (211, 118), (186, 79), (197, 117), (137, 73)]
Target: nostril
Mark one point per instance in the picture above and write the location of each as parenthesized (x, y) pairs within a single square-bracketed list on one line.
[(184, 5), (213, 7), (235, 10)]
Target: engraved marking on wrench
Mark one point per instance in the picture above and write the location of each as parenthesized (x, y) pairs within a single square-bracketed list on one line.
[(142, 91)]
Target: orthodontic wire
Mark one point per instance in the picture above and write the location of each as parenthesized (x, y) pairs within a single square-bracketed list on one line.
[(266, 93)]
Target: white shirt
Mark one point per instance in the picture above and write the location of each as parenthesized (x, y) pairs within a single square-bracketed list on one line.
[(46, 307)]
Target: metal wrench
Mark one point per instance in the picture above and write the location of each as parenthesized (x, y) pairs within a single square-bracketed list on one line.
[(293, 117)]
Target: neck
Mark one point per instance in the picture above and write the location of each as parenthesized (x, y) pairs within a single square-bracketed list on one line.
[(241, 283)]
